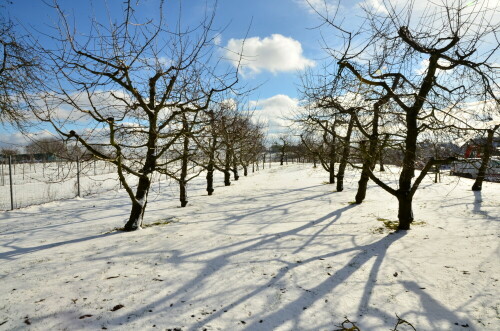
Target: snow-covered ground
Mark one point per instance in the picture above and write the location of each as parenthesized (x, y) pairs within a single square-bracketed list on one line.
[(277, 250)]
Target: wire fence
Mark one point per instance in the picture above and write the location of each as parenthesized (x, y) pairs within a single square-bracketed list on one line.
[(32, 181), (23, 184)]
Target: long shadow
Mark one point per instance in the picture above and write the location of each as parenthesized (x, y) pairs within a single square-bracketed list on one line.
[(76, 215), (293, 310), (336, 215), (17, 251), (477, 209), (432, 309), (219, 262)]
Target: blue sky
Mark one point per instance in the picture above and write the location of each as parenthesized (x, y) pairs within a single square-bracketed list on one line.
[(292, 19), (282, 39), (282, 31)]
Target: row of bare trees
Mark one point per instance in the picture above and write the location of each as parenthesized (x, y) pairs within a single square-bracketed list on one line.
[(403, 79), (141, 93)]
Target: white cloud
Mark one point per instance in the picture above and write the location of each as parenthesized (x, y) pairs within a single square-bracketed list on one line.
[(376, 6), (276, 53), (14, 139), (424, 65), (275, 112)]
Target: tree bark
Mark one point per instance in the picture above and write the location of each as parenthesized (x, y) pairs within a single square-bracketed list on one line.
[(332, 156), (210, 179), (138, 205), (211, 168), (485, 159), (369, 156), (184, 165), (345, 156), (235, 169), (405, 211), (227, 168)]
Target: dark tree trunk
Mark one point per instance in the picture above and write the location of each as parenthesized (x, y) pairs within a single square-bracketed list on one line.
[(370, 155), (331, 166), (184, 165), (363, 183), (211, 159), (227, 168), (345, 156), (235, 169), (210, 179), (405, 211), (139, 205), (183, 195), (485, 159), (245, 170), (227, 178)]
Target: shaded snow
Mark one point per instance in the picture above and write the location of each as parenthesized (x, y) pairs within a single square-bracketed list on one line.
[(277, 250)]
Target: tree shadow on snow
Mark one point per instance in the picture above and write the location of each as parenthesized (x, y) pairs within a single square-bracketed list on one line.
[(16, 251), (291, 312)]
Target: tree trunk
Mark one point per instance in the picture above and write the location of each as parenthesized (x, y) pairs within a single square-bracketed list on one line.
[(405, 212), (363, 182), (210, 170), (227, 168), (485, 159), (210, 179), (345, 156), (245, 170), (183, 195), (370, 155), (382, 168), (227, 178), (235, 168), (184, 166), (138, 205)]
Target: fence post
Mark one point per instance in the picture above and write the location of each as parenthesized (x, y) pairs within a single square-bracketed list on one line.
[(78, 175), (11, 184)]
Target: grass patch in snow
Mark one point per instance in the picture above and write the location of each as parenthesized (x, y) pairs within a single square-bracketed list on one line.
[(160, 222), (392, 225)]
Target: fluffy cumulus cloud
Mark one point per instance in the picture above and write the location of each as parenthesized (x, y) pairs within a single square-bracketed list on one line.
[(275, 112), (276, 53)]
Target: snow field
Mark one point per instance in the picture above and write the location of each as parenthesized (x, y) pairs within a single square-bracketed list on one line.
[(277, 250)]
